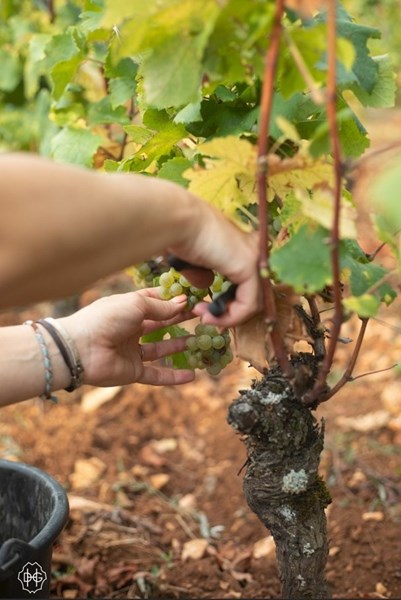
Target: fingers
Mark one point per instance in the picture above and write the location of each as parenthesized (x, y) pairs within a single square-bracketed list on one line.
[(148, 326), (201, 278), (156, 350), (153, 375), (246, 303), (155, 309)]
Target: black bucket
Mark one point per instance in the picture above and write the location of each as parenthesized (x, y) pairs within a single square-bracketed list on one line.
[(33, 512)]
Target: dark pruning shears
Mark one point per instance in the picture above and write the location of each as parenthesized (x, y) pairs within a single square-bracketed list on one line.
[(219, 305)]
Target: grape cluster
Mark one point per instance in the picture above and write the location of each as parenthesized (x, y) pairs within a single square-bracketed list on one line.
[(174, 284), (146, 272), (208, 349), (219, 285)]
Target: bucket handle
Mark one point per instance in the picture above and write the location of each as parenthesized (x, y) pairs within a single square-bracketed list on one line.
[(12, 552)]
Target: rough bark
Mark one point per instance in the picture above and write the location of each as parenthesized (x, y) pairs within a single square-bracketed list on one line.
[(282, 485)]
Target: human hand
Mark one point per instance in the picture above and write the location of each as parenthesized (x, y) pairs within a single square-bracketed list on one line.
[(217, 243), (107, 335)]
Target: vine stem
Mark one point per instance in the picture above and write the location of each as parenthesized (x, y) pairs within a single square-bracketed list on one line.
[(347, 375), (271, 60), (335, 231)]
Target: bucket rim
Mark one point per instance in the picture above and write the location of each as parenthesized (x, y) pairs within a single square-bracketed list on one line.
[(59, 515)]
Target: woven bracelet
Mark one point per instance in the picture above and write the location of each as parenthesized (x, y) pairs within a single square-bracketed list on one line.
[(67, 350), (47, 395)]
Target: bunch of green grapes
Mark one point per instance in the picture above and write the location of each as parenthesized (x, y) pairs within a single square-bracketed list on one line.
[(208, 349), (172, 283), (145, 273), (219, 285)]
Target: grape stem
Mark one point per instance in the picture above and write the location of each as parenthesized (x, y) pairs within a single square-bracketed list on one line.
[(271, 60)]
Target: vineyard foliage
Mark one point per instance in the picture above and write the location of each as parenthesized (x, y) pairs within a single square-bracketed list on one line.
[(172, 89)]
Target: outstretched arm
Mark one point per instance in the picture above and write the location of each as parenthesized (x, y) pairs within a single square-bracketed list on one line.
[(107, 337), (63, 227)]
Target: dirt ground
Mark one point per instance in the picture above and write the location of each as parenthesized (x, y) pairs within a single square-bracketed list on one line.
[(154, 482)]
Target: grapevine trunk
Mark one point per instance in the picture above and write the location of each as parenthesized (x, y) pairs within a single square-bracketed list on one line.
[(282, 485)]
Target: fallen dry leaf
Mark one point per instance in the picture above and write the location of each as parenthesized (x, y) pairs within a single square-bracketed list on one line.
[(391, 398), (251, 340), (264, 547), (380, 588), (373, 516), (86, 472), (194, 549), (365, 423), (159, 480), (94, 398), (164, 445)]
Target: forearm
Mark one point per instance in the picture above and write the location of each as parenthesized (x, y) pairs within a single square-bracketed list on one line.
[(62, 228), (22, 371)]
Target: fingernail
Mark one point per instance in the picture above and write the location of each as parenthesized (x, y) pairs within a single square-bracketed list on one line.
[(179, 299)]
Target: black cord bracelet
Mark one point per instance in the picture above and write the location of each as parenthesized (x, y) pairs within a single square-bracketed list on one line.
[(75, 368)]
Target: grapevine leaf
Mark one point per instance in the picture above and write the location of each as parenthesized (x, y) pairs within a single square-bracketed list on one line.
[(304, 261), (166, 135), (34, 65), (121, 89), (352, 134), (10, 72), (318, 205), (220, 120), (190, 113), (178, 360), (228, 179), (365, 306), (386, 199), (103, 112), (76, 146), (168, 38), (363, 276), (364, 69), (382, 95), (63, 57), (172, 77), (173, 170)]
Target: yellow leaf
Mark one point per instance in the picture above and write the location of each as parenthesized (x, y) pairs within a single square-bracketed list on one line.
[(228, 179), (319, 207)]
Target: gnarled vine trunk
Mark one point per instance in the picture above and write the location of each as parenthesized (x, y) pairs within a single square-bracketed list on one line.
[(282, 485)]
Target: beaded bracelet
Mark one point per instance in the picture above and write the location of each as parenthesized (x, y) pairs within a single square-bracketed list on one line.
[(68, 350), (47, 395)]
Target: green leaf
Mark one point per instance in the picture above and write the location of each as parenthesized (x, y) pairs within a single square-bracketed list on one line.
[(362, 275), (120, 90), (172, 77), (102, 112), (385, 195), (365, 306), (35, 63), (383, 92), (304, 261), (168, 38), (162, 141), (10, 71), (122, 80), (364, 69), (353, 136), (75, 146), (179, 359), (220, 120), (63, 57), (173, 170)]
